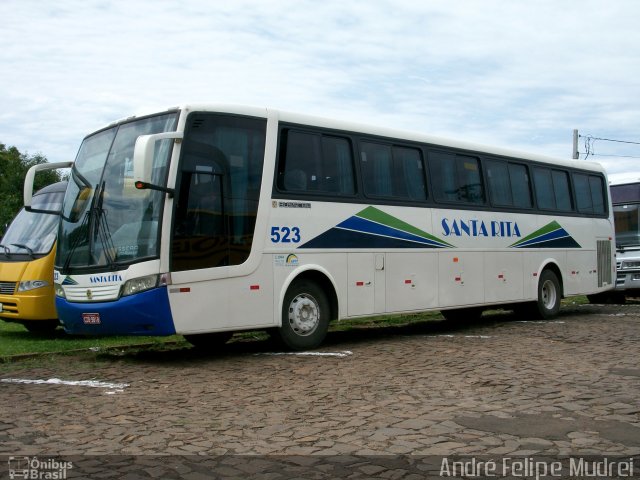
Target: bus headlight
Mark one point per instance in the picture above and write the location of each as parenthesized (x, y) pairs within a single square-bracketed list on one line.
[(626, 265), (32, 285), (59, 291), (137, 285)]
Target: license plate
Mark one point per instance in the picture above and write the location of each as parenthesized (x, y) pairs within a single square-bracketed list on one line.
[(91, 318), (0, 307)]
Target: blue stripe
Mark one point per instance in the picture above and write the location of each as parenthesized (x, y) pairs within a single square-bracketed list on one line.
[(362, 225), (556, 234)]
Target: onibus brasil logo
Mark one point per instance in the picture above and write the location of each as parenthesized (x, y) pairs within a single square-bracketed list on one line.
[(34, 468)]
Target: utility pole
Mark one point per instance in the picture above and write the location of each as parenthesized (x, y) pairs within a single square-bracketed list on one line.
[(576, 155)]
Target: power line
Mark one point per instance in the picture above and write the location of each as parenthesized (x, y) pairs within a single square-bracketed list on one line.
[(608, 139), (589, 141), (610, 155)]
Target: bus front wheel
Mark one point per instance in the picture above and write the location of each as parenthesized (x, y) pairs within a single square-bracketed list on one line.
[(305, 316)]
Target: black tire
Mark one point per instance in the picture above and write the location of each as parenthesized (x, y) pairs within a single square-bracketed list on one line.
[(305, 316), (41, 327), (549, 296), (209, 341), (607, 298)]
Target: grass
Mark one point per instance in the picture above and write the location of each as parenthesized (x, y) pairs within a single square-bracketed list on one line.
[(16, 341)]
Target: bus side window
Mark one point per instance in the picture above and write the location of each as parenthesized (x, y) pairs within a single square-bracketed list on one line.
[(499, 183), (545, 196), (589, 193), (377, 172), (583, 193), (597, 194), (409, 173), (564, 202), (520, 185), (315, 163), (443, 175), (469, 180), (298, 165)]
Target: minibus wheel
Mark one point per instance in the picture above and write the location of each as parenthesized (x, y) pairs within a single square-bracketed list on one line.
[(305, 316), (41, 327)]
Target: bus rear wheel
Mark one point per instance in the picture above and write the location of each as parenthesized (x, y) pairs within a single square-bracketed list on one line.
[(549, 295), (305, 316)]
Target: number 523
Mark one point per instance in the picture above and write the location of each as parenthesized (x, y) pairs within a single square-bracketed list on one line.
[(285, 235)]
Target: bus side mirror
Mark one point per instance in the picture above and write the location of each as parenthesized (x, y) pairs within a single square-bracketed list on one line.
[(143, 154), (30, 177)]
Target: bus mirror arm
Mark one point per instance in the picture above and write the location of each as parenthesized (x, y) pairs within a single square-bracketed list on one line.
[(30, 177), (140, 185)]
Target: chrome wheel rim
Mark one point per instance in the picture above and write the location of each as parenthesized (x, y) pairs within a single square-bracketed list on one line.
[(304, 314), (549, 295)]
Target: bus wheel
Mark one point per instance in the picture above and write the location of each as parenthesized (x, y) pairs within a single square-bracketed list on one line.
[(41, 327), (305, 316), (549, 295), (209, 341)]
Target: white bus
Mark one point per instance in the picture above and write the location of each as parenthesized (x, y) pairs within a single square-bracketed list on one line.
[(625, 196), (205, 220)]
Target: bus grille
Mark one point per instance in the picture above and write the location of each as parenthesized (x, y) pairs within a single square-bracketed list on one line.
[(7, 288), (102, 293), (604, 262)]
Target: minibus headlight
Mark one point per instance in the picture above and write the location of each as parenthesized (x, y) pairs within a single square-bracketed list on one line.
[(32, 285), (59, 291), (137, 285)]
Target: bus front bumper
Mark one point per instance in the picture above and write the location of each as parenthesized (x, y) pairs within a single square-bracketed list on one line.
[(146, 313), (628, 280), (33, 305)]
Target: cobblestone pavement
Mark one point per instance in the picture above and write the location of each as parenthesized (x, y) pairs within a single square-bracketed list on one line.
[(499, 387)]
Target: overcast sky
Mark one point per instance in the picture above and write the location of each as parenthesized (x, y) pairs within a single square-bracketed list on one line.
[(517, 74)]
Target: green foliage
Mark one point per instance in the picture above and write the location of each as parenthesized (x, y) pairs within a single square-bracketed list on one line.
[(13, 168)]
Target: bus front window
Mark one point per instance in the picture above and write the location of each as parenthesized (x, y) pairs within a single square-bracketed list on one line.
[(107, 223), (33, 233)]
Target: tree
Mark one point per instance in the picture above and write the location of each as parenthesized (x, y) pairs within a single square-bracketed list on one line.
[(13, 168)]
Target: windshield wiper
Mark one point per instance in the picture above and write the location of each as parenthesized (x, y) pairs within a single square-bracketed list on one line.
[(21, 245), (102, 230), (7, 252)]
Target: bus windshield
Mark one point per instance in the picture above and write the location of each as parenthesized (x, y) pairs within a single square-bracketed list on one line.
[(106, 221), (627, 225), (33, 233)]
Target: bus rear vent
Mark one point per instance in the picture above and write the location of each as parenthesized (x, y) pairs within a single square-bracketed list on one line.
[(604, 263)]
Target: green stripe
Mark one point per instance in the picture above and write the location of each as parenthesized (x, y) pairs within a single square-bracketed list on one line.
[(550, 227), (378, 216)]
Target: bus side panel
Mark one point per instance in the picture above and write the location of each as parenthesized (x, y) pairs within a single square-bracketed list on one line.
[(581, 272), (461, 276), (412, 281), (235, 303), (503, 279)]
